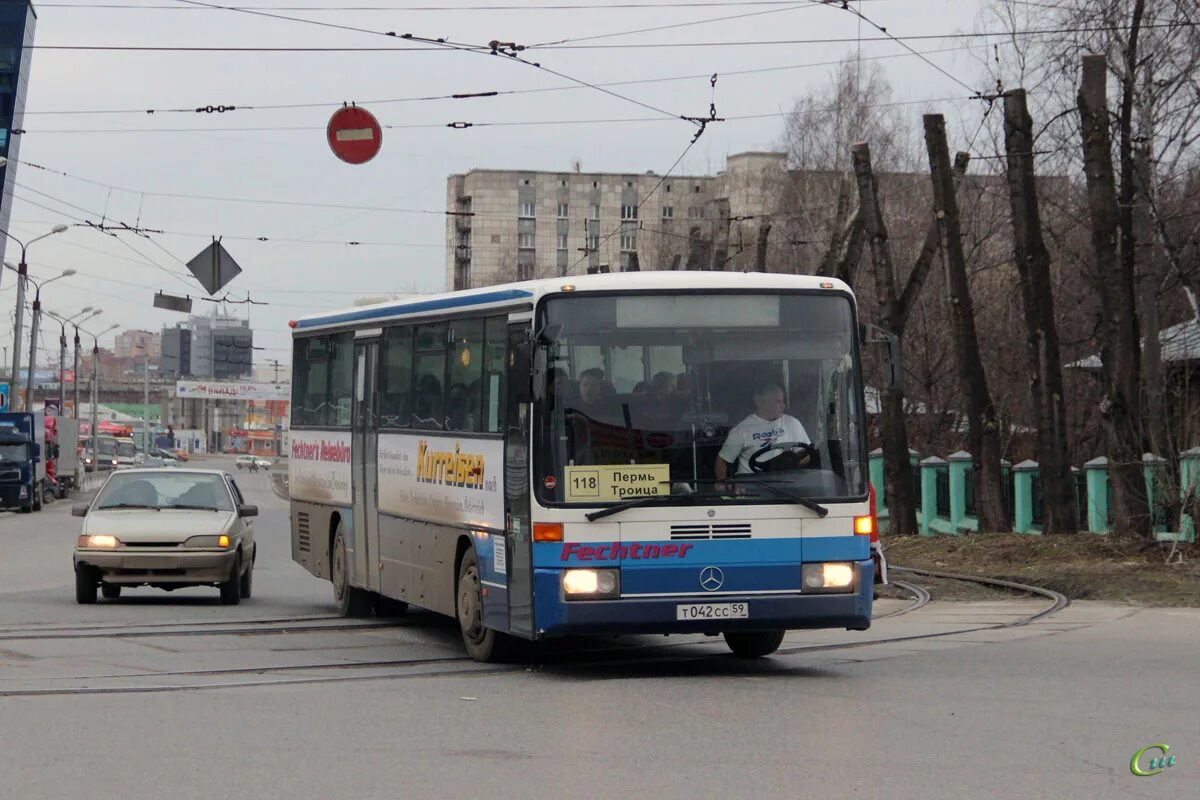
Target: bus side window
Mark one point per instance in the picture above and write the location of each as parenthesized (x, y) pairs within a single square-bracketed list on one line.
[(397, 378), (496, 341), (464, 371), (430, 375)]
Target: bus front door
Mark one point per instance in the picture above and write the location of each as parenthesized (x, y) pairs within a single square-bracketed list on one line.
[(363, 468)]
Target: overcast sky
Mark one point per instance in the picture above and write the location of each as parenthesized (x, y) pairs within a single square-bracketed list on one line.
[(286, 157)]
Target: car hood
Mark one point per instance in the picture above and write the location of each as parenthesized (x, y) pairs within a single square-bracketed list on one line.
[(142, 525)]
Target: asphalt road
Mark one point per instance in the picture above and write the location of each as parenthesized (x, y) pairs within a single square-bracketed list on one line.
[(161, 695)]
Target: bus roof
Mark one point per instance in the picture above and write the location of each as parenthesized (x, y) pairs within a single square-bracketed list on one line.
[(526, 293)]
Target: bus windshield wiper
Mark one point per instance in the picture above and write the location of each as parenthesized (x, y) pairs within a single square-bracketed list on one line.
[(798, 499), (652, 500)]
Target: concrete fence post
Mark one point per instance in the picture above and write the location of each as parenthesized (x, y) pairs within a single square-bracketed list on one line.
[(1189, 480), (960, 475), (1097, 494), (875, 470), (929, 471), (1023, 475)]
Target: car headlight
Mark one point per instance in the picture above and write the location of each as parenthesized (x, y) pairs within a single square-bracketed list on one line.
[(221, 540), (100, 541), (832, 577), (591, 584)]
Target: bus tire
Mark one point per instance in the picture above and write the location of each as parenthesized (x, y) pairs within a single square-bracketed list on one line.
[(351, 601), (85, 585), (753, 644), (482, 643)]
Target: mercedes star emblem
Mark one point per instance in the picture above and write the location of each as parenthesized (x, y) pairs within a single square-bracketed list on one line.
[(711, 578)]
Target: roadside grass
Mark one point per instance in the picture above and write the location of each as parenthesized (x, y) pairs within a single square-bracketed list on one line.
[(1083, 566)]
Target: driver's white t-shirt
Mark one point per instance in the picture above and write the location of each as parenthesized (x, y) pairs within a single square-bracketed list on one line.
[(752, 433)]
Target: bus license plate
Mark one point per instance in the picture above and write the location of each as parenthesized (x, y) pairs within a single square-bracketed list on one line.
[(690, 611)]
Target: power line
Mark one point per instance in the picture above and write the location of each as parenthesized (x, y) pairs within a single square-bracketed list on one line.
[(461, 125), (494, 7), (501, 93), (493, 48), (625, 46)]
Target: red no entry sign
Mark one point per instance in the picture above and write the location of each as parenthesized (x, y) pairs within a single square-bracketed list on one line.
[(354, 135)]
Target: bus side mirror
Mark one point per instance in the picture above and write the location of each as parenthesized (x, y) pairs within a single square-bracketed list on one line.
[(520, 372)]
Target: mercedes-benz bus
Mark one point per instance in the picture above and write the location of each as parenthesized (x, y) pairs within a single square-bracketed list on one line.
[(644, 452)]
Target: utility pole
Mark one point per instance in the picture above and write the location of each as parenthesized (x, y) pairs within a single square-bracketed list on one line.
[(62, 372)]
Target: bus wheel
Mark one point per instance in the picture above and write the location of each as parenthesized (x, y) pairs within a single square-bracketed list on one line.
[(753, 644), (483, 643), (351, 601)]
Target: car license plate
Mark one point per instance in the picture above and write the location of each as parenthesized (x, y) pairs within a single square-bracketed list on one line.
[(697, 611)]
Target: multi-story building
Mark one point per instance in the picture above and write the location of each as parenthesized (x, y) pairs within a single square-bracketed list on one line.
[(219, 347), (138, 344), (514, 225), (17, 23)]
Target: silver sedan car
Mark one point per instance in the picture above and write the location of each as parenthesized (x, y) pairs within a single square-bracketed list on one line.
[(166, 528)]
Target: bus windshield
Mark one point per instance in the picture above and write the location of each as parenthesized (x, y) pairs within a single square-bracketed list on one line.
[(705, 393)]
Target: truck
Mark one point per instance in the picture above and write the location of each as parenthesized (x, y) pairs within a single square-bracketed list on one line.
[(22, 460), (62, 453)]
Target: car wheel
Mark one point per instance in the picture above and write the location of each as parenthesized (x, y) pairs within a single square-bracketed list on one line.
[(482, 643), (753, 644), (231, 590), (351, 601), (85, 585), (247, 583), (111, 591)]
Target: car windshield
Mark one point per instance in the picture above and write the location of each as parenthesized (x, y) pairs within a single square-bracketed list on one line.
[(669, 394), (14, 452), (165, 490)]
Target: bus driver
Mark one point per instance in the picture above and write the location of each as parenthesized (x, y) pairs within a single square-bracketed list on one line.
[(767, 425)]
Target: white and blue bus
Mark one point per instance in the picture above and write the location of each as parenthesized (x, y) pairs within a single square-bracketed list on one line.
[(647, 452)]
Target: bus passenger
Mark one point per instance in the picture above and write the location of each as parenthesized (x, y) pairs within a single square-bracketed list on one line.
[(767, 425)]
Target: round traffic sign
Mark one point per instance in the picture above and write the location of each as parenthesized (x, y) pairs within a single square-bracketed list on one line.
[(354, 135)]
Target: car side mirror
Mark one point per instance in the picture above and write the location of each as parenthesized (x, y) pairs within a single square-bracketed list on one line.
[(79, 510), (247, 511)]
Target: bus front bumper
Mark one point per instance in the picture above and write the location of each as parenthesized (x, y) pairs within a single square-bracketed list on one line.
[(556, 616)]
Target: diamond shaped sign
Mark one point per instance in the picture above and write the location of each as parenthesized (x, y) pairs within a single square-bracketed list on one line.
[(214, 268)]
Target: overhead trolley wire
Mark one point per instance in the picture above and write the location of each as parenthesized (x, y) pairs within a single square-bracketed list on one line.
[(616, 46)]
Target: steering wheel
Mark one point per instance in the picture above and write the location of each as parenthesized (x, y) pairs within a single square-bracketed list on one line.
[(806, 454)]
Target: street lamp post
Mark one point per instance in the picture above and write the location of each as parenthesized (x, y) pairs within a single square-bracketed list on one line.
[(33, 330), (93, 315), (62, 357), (22, 271), (145, 398), (96, 389)]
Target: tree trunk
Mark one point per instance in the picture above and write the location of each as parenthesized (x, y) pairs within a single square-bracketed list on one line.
[(983, 430), (760, 253), (902, 516), (1041, 332), (1120, 410)]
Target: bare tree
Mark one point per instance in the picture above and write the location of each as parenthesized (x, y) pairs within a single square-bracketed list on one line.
[(983, 431), (1121, 409), (1041, 332)]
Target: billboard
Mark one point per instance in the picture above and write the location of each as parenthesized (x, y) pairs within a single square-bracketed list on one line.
[(231, 390)]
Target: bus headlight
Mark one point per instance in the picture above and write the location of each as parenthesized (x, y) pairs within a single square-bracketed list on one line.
[(834, 577), (591, 584)]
